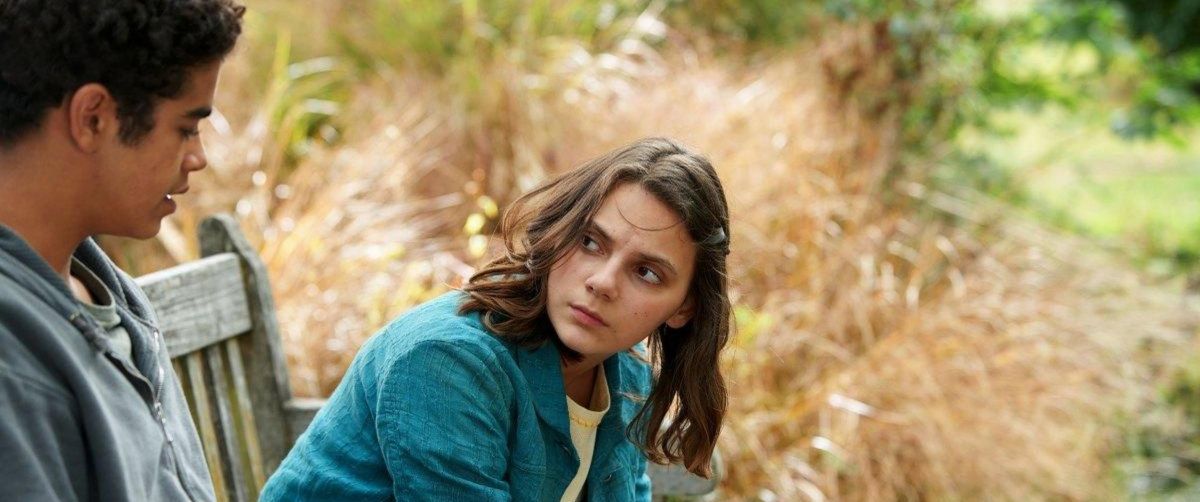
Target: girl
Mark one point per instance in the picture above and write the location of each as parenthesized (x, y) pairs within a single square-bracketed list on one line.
[(532, 382)]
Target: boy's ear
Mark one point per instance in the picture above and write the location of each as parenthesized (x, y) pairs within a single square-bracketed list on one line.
[(684, 314), (91, 115)]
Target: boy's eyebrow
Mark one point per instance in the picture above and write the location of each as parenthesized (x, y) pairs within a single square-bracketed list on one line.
[(652, 258), (199, 113)]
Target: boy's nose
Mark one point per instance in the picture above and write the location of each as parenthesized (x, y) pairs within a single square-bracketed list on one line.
[(196, 159)]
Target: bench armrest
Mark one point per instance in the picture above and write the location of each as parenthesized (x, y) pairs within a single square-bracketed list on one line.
[(300, 412)]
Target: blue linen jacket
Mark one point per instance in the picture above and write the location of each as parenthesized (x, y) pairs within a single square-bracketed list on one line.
[(435, 407)]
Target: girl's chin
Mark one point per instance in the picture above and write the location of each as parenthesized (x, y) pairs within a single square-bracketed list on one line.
[(579, 346)]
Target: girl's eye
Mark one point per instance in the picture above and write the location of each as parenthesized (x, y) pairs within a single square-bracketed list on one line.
[(189, 133), (590, 244), (647, 274)]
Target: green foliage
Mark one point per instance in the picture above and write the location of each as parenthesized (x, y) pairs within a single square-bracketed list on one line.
[(1070, 53), (1155, 215), (760, 22), (301, 100), (1160, 458), (441, 36), (1175, 24), (1167, 101), (1161, 38)]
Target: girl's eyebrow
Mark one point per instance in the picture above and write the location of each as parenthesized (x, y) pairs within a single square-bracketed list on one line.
[(662, 261)]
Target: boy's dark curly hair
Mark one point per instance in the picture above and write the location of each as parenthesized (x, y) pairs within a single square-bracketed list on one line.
[(140, 50)]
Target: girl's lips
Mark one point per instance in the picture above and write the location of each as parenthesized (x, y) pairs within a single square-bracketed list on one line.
[(587, 317)]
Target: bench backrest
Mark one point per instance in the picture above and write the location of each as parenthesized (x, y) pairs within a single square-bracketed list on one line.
[(217, 316), (218, 319)]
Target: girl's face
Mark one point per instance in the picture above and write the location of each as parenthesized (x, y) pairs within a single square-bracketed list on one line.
[(629, 274)]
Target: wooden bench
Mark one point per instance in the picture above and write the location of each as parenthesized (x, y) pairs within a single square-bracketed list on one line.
[(218, 318)]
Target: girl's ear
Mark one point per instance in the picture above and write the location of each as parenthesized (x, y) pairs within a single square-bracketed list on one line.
[(684, 314)]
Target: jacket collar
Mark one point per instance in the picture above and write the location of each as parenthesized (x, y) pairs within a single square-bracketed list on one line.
[(543, 373), (626, 398), (23, 265), (20, 262), (51, 286)]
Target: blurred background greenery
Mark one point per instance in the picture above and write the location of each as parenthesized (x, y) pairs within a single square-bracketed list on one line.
[(966, 239)]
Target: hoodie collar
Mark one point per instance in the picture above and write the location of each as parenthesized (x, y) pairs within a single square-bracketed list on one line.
[(27, 268), (51, 287), (23, 265)]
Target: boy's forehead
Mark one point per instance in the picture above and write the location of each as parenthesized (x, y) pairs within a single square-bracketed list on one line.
[(198, 91)]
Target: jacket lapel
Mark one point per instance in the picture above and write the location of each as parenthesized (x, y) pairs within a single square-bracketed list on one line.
[(620, 410), (543, 373)]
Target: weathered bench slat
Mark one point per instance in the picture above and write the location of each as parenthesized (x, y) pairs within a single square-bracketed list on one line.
[(244, 416), (202, 413), (263, 361), (199, 303), (226, 435), (300, 412), (675, 481)]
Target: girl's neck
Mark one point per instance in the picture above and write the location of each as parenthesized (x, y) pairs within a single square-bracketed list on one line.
[(579, 379)]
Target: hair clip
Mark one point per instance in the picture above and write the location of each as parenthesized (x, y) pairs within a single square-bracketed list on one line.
[(715, 238)]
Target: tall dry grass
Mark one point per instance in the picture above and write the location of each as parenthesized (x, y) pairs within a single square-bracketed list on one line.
[(894, 342)]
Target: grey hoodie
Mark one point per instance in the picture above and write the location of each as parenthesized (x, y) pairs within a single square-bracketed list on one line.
[(78, 421)]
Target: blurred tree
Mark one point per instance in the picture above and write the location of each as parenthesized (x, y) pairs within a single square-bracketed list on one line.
[(1165, 35), (1175, 24)]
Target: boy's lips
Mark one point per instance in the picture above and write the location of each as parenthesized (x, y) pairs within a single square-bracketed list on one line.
[(180, 191)]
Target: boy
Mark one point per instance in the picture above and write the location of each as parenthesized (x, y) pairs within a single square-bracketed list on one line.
[(99, 105)]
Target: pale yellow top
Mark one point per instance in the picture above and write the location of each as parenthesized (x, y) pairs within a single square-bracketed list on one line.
[(584, 423)]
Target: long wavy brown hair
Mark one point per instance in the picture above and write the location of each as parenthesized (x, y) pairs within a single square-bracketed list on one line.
[(544, 225)]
